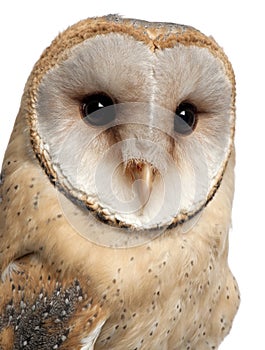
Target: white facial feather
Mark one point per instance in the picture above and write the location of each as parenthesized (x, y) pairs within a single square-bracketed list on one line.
[(147, 88)]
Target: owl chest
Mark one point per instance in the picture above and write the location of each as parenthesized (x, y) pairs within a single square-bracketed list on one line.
[(162, 308)]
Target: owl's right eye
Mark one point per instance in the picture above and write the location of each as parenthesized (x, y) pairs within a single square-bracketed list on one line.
[(185, 118), (98, 109)]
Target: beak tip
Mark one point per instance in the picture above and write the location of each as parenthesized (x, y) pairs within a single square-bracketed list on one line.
[(142, 175)]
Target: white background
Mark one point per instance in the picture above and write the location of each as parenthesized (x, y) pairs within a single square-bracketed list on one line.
[(27, 27)]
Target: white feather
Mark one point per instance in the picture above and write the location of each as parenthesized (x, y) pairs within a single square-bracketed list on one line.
[(89, 341), (12, 267)]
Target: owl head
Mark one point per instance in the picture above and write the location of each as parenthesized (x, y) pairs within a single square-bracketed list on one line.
[(133, 123)]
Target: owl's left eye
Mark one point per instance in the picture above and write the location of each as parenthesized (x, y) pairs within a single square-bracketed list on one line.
[(98, 109)]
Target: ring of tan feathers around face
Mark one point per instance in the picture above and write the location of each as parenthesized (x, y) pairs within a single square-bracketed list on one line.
[(157, 37)]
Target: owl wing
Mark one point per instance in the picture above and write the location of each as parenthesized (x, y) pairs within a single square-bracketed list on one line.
[(45, 310)]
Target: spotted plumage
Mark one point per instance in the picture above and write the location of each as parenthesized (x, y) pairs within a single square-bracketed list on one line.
[(116, 193)]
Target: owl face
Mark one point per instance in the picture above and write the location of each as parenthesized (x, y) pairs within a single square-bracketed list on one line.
[(136, 128)]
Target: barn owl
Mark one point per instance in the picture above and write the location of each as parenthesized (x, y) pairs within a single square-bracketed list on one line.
[(116, 193)]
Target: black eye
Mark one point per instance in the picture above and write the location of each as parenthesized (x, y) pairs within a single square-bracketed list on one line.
[(98, 109), (185, 118)]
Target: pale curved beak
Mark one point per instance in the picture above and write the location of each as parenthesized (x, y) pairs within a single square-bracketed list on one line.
[(142, 175)]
